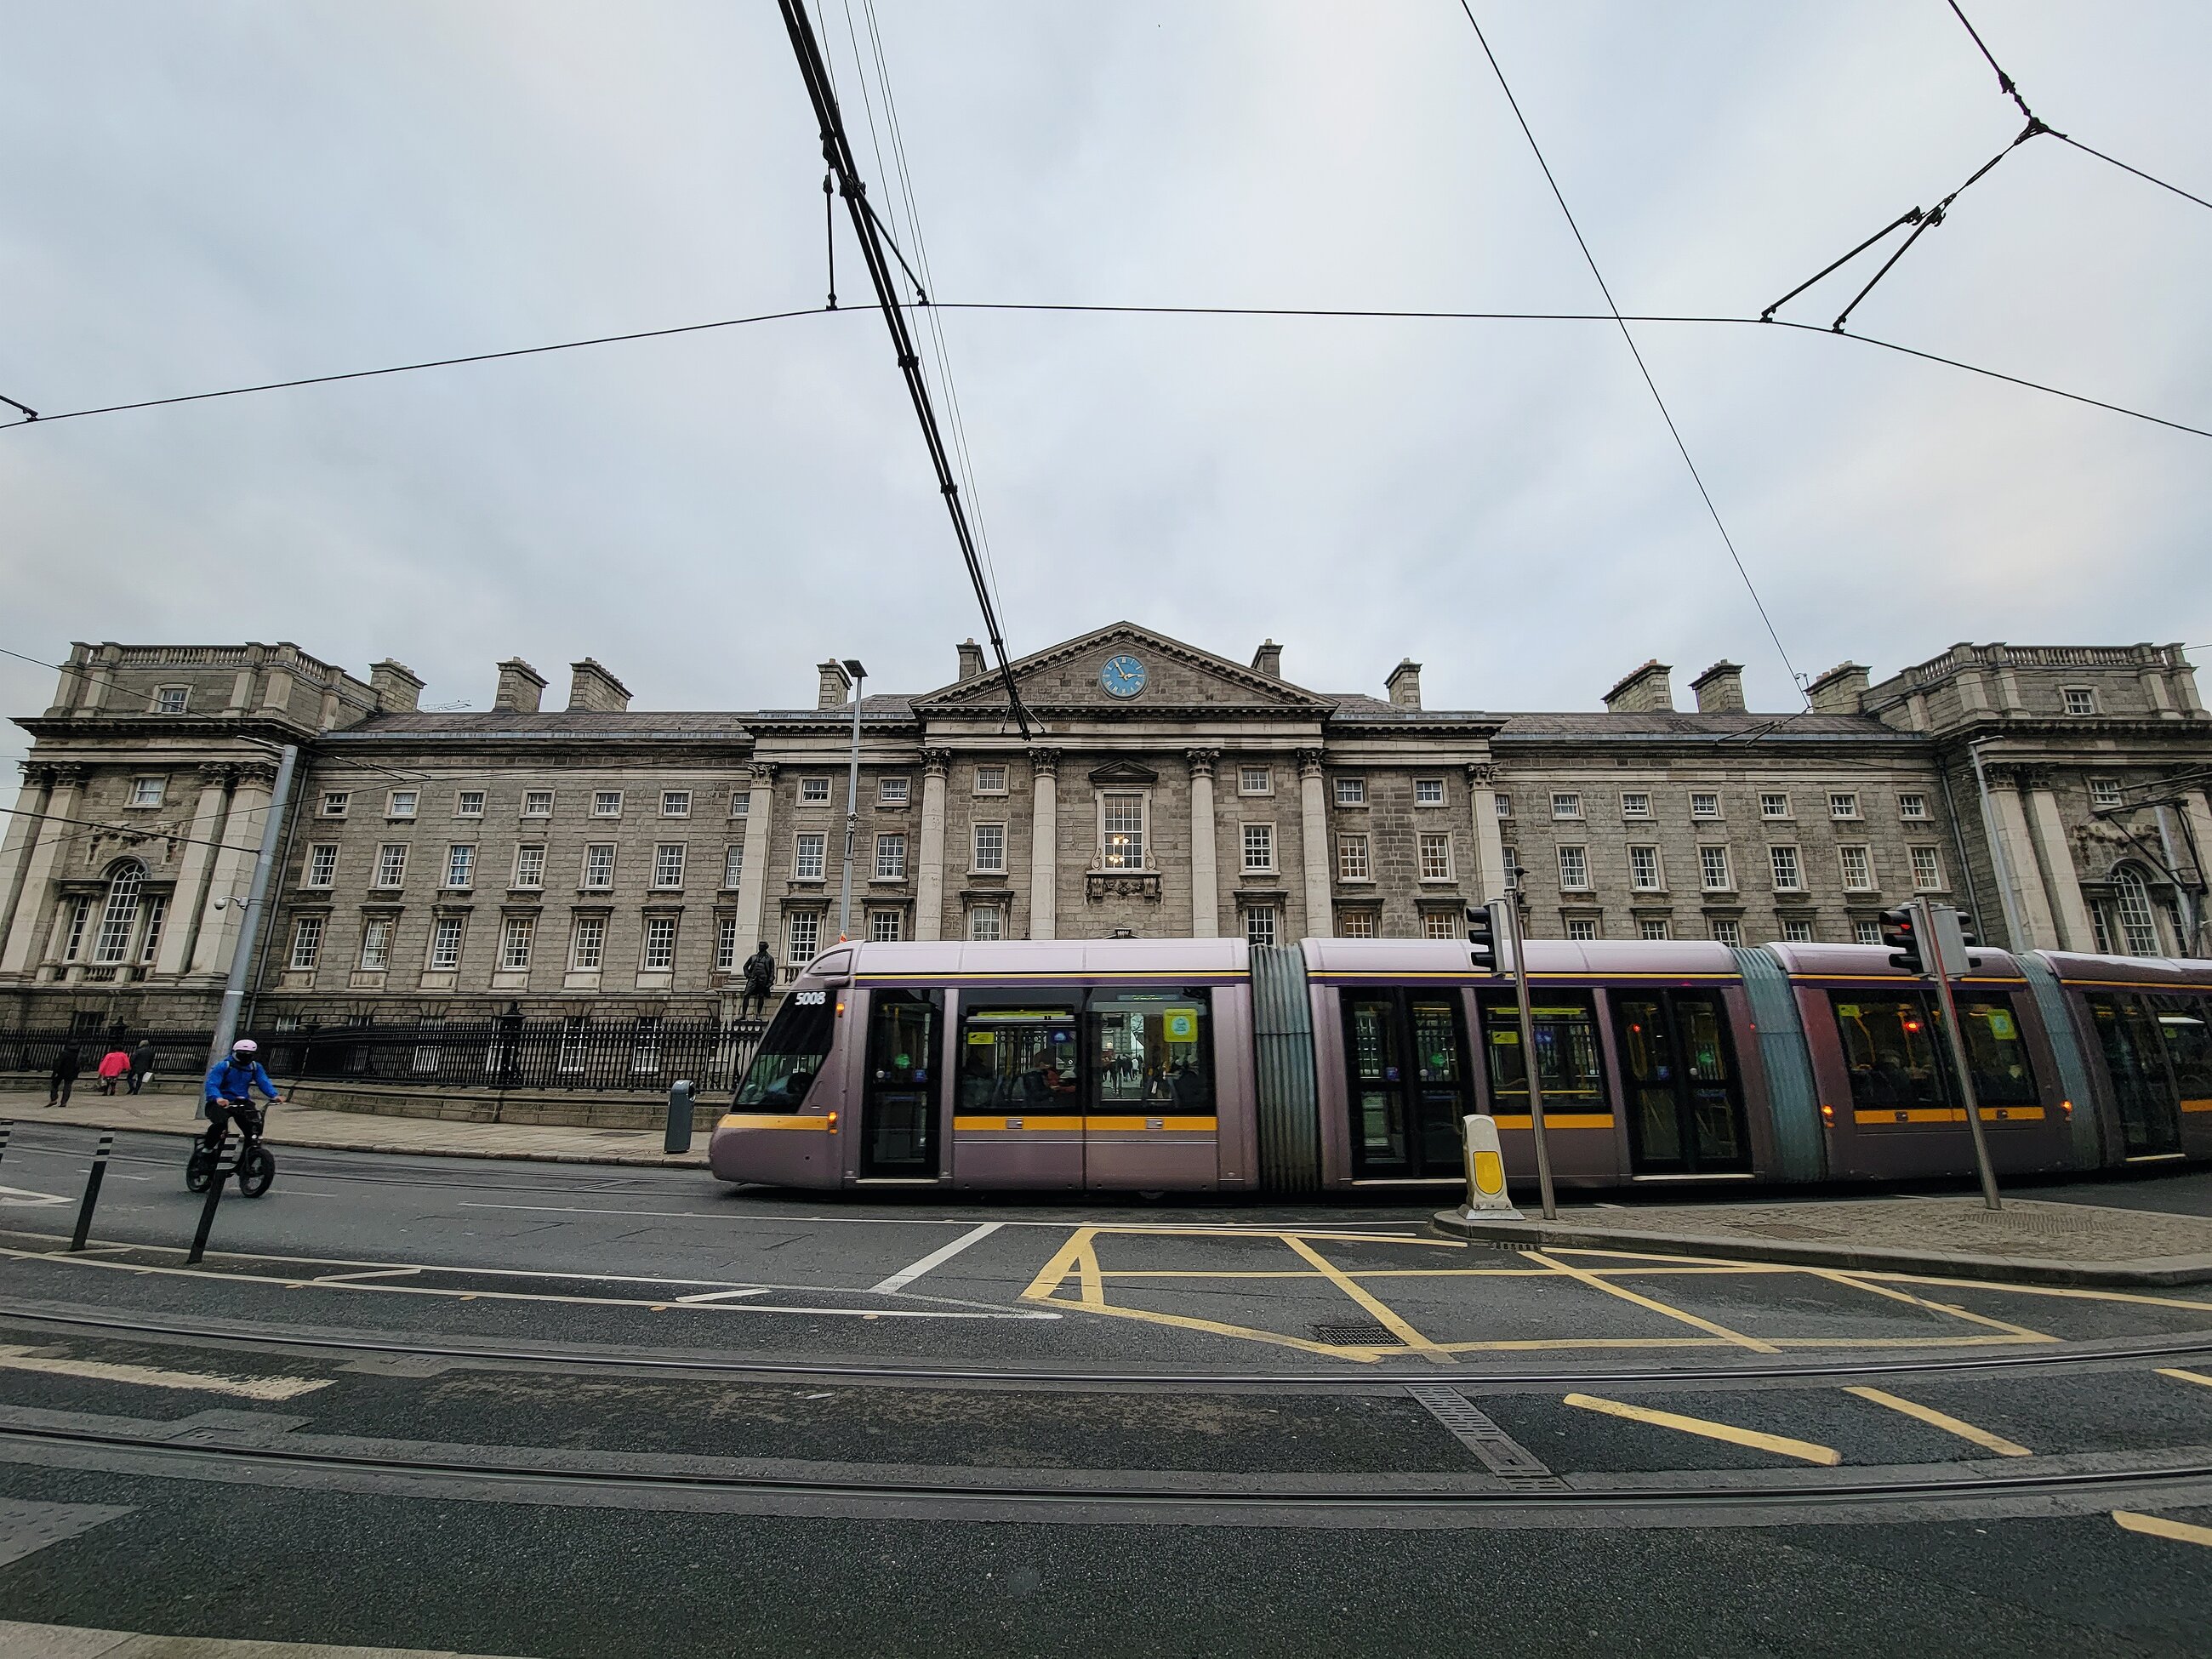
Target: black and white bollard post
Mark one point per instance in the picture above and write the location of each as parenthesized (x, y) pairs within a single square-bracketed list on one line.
[(215, 1180), (6, 1129), (94, 1176)]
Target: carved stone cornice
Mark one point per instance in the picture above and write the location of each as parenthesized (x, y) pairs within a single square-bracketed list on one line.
[(936, 763), (1122, 884), (1202, 761)]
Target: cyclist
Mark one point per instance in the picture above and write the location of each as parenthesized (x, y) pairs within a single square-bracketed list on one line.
[(230, 1085)]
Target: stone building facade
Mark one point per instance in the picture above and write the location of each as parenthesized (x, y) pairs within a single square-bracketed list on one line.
[(601, 859)]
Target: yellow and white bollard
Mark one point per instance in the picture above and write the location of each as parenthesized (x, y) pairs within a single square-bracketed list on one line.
[(1486, 1172)]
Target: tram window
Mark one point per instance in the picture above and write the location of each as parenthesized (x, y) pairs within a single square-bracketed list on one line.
[(1889, 1048), (1017, 1059), (1153, 1048), (790, 1056), (2184, 1023), (1566, 1048), (1998, 1055)]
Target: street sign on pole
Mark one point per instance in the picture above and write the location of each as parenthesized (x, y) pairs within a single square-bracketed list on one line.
[(1944, 952), (1511, 905)]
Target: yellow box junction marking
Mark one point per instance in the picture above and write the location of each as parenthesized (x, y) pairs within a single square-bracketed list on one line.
[(2157, 1526), (1384, 1316), (1803, 1450), (1945, 1421), (1592, 1278), (2180, 1376)]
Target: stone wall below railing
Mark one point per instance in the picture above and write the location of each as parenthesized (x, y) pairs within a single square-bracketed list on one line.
[(579, 1111)]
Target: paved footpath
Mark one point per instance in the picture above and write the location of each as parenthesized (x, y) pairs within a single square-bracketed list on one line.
[(21, 1641)]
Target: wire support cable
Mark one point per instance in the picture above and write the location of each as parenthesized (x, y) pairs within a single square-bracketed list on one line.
[(1665, 414)]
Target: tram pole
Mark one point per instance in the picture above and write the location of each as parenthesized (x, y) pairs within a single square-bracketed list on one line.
[(1938, 941), (1529, 1066), (852, 804)]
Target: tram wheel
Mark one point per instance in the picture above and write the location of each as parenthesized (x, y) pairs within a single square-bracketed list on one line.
[(199, 1167), (256, 1169)]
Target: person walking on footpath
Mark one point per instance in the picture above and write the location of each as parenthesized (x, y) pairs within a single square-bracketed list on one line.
[(141, 1064), (67, 1064), (114, 1066), (759, 976)]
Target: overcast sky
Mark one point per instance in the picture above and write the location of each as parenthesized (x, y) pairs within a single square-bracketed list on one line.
[(194, 196)]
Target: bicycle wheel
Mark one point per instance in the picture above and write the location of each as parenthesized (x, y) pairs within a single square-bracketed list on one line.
[(199, 1167), (256, 1169)]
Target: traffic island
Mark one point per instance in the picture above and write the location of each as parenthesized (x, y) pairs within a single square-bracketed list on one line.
[(2027, 1241)]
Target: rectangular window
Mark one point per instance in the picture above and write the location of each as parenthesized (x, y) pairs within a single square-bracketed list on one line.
[(515, 934), (588, 945), (306, 942), (659, 944), (1429, 792), (149, 791), (599, 866), (1789, 876), (734, 864), (1352, 791), (1796, 933), (469, 804), (890, 857), (1260, 925), (1504, 804), (1729, 934), (1256, 780), (990, 780), (1927, 870), (990, 846), (891, 792), (1635, 804), (1912, 806), (808, 851), (400, 803), (376, 944), (1352, 858), (741, 801), (391, 864), (676, 803), (1704, 804), (1843, 806), (1774, 806), (726, 945), (1866, 932), (1574, 868), (335, 802), (2080, 700), (1713, 868), (1122, 821), (1899, 1056), (322, 865), (1436, 857), (460, 865), (575, 1044), (538, 803), (1655, 927), (668, 865), (1566, 803), (446, 945), (2105, 793), (984, 922), (80, 914), (1581, 927), (1644, 869), (813, 792), (530, 865), (157, 912), (171, 699), (1441, 924), (1355, 924), (886, 926), (1858, 867), (606, 803), (1259, 846)]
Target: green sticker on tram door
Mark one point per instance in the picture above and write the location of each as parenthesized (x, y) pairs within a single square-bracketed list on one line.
[(1180, 1024)]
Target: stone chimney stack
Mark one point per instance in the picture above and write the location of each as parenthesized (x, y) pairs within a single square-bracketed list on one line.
[(1268, 659), (398, 690), (1643, 692), (593, 690), (971, 660), (837, 685), (1404, 683), (1839, 690), (1720, 689), (521, 686)]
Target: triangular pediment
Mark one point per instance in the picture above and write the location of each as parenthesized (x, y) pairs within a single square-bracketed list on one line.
[(1072, 678), (1123, 771)]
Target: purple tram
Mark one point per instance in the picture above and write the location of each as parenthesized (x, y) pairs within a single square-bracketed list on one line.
[(1196, 1065)]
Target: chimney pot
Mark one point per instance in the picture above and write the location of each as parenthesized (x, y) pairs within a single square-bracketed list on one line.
[(1839, 690), (593, 689), (1268, 659), (971, 660), (520, 687), (1720, 689), (837, 685), (1404, 683), (398, 689), (1646, 690)]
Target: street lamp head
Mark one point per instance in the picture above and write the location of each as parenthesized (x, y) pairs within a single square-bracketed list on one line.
[(853, 667)]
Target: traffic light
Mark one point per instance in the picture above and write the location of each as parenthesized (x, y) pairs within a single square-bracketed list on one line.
[(1482, 938), (1902, 934)]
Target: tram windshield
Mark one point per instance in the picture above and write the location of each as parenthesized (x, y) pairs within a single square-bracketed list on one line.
[(790, 1056)]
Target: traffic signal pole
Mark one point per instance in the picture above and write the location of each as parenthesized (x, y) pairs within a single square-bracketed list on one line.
[(1511, 905), (1936, 940)]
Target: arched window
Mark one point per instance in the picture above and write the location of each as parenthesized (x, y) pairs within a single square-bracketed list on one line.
[(119, 919), (2138, 925)]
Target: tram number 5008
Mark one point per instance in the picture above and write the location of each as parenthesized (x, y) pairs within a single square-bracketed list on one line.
[(808, 999)]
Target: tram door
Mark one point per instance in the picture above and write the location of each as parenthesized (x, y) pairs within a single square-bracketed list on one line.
[(2142, 1037), (1685, 1104), (1407, 1087), (898, 1106)]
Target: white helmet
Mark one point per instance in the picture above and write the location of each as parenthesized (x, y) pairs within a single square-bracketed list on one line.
[(244, 1046)]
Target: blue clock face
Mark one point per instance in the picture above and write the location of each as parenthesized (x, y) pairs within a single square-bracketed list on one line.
[(1122, 677)]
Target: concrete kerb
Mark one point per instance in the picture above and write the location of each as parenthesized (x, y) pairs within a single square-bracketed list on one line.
[(2153, 1273), (309, 1143)]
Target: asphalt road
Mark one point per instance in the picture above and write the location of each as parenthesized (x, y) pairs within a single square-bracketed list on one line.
[(432, 1403)]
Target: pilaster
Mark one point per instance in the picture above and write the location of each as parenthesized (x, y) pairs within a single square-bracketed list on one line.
[(929, 868), (1205, 874), (1044, 842), (752, 880), (36, 896), (1313, 814)]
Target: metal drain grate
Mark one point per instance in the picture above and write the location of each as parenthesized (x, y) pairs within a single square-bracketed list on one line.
[(1501, 1454), (2035, 1221), (1360, 1333)]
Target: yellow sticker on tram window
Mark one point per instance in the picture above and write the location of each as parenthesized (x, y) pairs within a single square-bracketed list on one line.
[(1505, 1036), (981, 1039), (1847, 1010), (2000, 1022), (1180, 1024)]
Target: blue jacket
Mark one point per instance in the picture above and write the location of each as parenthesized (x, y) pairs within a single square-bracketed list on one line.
[(227, 1080)]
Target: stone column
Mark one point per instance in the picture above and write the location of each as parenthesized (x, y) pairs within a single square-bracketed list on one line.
[(929, 865), (15, 847), (1489, 845), (2063, 880), (189, 903), (232, 872), (2196, 813), (752, 880), (1044, 844), (2018, 868), (35, 899), (1205, 876), (1313, 813)]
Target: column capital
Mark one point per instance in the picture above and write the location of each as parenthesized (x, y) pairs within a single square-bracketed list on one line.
[(763, 771), (1481, 775), (64, 773), (218, 771), (2006, 775), (256, 772), (1202, 761), (1045, 762), (1309, 761), (936, 763)]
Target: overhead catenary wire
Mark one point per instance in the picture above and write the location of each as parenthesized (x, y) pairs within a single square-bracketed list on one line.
[(1665, 414)]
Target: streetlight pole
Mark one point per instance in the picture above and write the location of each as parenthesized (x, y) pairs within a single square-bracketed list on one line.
[(852, 804)]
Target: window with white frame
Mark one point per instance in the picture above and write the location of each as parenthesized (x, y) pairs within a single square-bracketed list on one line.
[(2105, 793), (1260, 925), (391, 864), (645, 1045), (726, 945), (1574, 868), (1355, 924), (468, 803), (1655, 927), (118, 918), (1713, 869), (1857, 865), (1508, 861), (734, 864), (1866, 932), (171, 699), (322, 865), (1644, 869), (1429, 792), (1259, 847), (668, 865), (530, 865), (659, 944), (890, 856), (1912, 806), (1797, 931), (1726, 933), (306, 943), (990, 780), (1352, 858), (1843, 805), (587, 944), (986, 922), (1581, 927), (676, 803), (741, 801), (538, 803), (599, 865), (2138, 922), (80, 913), (460, 865), (1705, 804), (2078, 700), (813, 792), (149, 791), (335, 802), (606, 803), (376, 944), (1566, 803), (516, 934), (1441, 924), (157, 912), (886, 926), (1352, 791), (446, 943), (1789, 871), (1635, 804), (401, 802), (808, 853), (1504, 804), (990, 848), (1435, 853), (1927, 870), (575, 1044), (1773, 805), (892, 792), (1121, 832), (1256, 780)]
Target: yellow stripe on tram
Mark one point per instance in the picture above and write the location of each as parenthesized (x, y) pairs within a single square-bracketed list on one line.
[(1555, 1121), (1947, 1114), (1018, 1120), (775, 1120)]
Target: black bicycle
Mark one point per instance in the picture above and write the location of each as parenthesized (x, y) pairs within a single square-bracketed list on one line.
[(255, 1167)]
